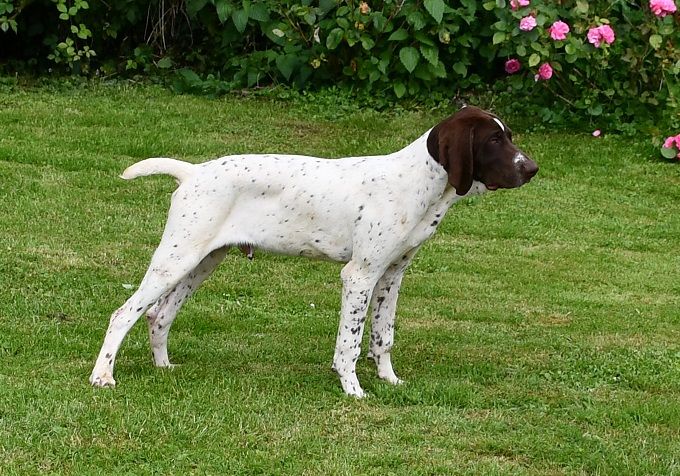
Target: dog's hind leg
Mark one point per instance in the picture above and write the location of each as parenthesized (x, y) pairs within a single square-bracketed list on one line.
[(165, 271), (162, 314)]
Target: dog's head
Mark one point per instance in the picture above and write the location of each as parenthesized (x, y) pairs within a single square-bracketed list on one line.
[(474, 145)]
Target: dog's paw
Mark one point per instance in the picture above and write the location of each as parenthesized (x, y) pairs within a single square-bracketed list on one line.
[(393, 379), (103, 380), (350, 385), (165, 365), (358, 394)]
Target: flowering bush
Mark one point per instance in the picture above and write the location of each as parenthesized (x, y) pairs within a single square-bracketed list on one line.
[(614, 63), (613, 59)]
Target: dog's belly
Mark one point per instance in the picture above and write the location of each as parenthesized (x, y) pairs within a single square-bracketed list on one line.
[(317, 243), (300, 230)]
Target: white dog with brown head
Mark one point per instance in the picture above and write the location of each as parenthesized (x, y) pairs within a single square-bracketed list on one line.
[(372, 213)]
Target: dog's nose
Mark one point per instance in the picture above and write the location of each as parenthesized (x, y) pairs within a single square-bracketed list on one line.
[(530, 169)]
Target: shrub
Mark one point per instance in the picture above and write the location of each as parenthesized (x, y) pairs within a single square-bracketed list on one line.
[(609, 62), (617, 59)]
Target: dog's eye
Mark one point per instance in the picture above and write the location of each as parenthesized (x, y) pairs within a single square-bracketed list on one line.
[(496, 140)]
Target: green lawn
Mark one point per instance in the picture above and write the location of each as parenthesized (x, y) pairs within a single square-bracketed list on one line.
[(538, 331)]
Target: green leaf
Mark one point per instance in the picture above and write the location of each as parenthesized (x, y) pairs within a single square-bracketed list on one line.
[(287, 64), (327, 5), (223, 10), (189, 76), (595, 110), (74, 29), (436, 9), (498, 37), (398, 35), (669, 153), (521, 50), (488, 6), (164, 63), (64, 16), (570, 49), (194, 6), (62, 7), (253, 78), (534, 59), (423, 73), (430, 53), (582, 6), (399, 89), (383, 64), (409, 57), (379, 21), (334, 38), (367, 42), (240, 19), (438, 70), (417, 20), (424, 38), (259, 12), (666, 28), (460, 68), (310, 18), (655, 41)]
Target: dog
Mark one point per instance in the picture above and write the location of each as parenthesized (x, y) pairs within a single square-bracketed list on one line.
[(372, 213)]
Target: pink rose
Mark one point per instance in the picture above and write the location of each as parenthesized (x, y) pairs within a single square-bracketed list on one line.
[(607, 34), (673, 142), (597, 133), (515, 4), (661, 8), (512, 66), (545, 72), (527, 23), (601, 34), (558, 30)]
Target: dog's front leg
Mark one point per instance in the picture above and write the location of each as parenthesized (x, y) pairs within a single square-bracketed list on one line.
[(383, 308), (358, 283)]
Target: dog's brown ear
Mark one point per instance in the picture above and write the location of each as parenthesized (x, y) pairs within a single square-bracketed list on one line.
[(450, 143)]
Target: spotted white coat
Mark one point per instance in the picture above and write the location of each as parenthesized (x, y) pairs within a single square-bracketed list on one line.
[(372, 213)]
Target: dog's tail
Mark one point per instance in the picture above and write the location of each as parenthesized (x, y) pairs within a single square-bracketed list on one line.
[(159, 165)]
